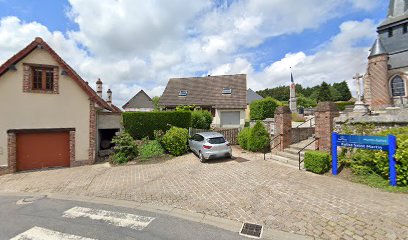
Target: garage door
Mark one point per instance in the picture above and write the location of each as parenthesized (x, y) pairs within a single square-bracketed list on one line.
[(42, 150), (230, 119)]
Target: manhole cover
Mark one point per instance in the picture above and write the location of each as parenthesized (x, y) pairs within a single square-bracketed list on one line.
[(251, 230), (29, 200)]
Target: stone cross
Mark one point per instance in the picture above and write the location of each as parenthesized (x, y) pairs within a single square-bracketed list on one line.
[(357, 78)]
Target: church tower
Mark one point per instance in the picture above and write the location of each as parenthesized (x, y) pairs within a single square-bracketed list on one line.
[(387, 74)]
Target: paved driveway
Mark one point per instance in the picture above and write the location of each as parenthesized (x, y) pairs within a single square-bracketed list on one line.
[(257, 191)]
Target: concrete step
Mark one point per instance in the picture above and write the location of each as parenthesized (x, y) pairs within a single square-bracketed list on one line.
[(294, 151), (289, 155), (288, 161)]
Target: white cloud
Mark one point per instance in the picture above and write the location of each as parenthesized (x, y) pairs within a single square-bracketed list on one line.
[(132, 45)]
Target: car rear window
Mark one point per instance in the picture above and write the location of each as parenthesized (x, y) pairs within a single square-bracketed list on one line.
[(217, 140)]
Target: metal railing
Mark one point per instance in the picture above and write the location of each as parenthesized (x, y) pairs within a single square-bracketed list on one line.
[(300, 161), (273, 139), (298, 128), (309, 120)]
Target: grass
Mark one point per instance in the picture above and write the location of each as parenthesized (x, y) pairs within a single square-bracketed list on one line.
[(150, 149), (376, 181)]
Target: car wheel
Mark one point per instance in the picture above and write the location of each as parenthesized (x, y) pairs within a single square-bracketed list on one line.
[(201, 157)]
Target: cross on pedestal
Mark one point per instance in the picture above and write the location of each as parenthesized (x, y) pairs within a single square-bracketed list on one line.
[(357, 77)]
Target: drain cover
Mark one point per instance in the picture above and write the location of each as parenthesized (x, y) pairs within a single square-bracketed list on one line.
[(251, 230), (29, 200)]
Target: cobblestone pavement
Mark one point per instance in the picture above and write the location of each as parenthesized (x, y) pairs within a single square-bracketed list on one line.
[(258, 191)]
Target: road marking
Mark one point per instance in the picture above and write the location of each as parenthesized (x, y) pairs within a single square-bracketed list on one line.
[(38, 233), (115, 218)]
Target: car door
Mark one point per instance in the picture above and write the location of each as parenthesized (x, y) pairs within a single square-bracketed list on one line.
[(193, 143)]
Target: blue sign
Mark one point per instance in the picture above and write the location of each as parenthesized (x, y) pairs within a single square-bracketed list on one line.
[(370, 143), (364, 142)]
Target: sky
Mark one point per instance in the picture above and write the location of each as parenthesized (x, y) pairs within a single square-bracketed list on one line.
[(140, 44)]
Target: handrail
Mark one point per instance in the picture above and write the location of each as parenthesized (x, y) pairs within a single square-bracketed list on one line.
[(276, 144), (309, 120), (304, 149)]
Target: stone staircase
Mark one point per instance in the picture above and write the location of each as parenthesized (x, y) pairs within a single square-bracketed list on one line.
[(290, 156)]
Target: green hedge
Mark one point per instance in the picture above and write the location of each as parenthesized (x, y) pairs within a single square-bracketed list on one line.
[(342, 105), (317, 162), (243, 137), (175, 141), (262, 109), (143, 124), (254, 139)]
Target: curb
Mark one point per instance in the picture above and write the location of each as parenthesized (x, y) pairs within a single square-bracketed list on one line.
[(226, 224)]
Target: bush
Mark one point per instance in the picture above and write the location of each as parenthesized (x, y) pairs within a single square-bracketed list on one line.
[(317, 162), (201, 119), (258, 138), (151, 149), (342, 105), (243, 137), (175, 141), (125, 148), (158, 136), (143, 124), (262, 109), (377, 161)]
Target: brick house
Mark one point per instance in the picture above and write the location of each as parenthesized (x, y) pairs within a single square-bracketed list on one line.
[(224, 96), (49, 114)]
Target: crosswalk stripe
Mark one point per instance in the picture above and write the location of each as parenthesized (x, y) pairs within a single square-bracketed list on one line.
[(38, 233), (115, 218)]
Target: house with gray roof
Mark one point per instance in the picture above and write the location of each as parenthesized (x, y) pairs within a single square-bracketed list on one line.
[(224, 96), (141, 102)]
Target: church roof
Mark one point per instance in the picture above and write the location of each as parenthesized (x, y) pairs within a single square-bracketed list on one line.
[(397, 12), (377, 48)]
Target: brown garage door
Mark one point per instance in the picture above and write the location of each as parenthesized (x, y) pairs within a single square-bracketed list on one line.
[(38, 150)]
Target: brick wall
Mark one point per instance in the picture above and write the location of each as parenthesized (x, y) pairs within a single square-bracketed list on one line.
[(300, 134), (325, 113), (283, 128), (376, 86), (12, 155)]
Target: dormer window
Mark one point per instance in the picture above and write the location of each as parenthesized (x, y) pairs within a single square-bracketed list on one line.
[(390, 32), (226, 90), (183, 93)]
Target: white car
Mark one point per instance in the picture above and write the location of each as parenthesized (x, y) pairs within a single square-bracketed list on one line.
[(210, 145)]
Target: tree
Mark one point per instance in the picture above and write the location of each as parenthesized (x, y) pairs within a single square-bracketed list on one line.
[(324, 93), (343, 90), (155, 101), (262, 109), (336, 96), (258, 138)]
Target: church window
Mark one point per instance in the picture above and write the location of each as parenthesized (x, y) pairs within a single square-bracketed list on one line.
[(397, 87), (390, 32)]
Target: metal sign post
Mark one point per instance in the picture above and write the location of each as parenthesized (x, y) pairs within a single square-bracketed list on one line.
[(370, 143)]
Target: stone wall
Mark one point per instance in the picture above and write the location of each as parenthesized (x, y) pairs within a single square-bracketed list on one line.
[(301, 134), (391, 118)]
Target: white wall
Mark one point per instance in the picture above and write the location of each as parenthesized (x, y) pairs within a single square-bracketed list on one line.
[(19, 110)]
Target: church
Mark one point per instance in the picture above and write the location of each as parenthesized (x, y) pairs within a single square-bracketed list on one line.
[(385, 83)]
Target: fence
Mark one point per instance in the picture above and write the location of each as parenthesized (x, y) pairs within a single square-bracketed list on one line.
[(230, 134)]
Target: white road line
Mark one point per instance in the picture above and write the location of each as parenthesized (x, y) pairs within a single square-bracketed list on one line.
[(38, 233), (115, 218)]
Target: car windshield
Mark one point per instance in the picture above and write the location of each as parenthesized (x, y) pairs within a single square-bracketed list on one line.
[(217, 140)]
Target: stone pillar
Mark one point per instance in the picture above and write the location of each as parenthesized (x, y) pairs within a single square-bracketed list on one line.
[(325, 113), (283, 128)]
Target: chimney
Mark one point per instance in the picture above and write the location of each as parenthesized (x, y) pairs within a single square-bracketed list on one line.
[(99, 87), (109, 99)]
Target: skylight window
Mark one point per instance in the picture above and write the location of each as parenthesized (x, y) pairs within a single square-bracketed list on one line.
[(183, 93), (226, 90)]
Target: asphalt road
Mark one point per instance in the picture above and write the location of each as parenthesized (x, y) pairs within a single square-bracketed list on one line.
[(59, 219)]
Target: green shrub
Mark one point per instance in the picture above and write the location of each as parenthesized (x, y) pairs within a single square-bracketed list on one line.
[(342, 105), (151, 149), (377, 161), (317, 162), (201, 119), (125, 148), (247, 124), (158, 136), (175, 141), (143, 124), (258, 138), (262, 109), (243, 137)]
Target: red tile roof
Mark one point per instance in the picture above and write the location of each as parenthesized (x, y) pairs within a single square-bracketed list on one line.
[(71, 73)]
